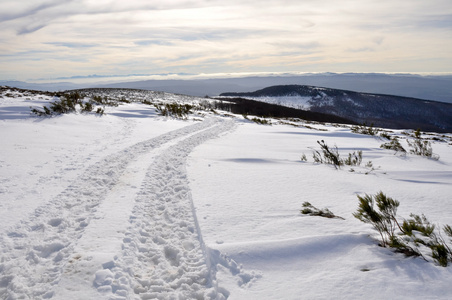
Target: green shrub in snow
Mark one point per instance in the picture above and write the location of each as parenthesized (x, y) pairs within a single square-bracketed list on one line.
[(261, 121), (67, 103), (176, 110), (416, 236), (421, 147), (309, 209), (394, 144), (379, 211), (364, 129), (385, 135), (332, 156)]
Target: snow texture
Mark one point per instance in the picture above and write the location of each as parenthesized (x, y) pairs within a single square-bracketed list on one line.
[(132, 205)]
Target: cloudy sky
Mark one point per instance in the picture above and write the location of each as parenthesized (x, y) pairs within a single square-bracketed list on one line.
[(65, 38)]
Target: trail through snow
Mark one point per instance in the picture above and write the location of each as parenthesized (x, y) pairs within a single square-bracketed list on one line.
[(136, 204)]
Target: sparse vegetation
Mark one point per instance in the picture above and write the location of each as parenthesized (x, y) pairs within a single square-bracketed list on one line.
[(180, 111), (379, 211), (261, 121), (385, 135), (364, 129), (332, 156), (421, 147), (416, 236), (309, 209), (394, 144), (68, 103)]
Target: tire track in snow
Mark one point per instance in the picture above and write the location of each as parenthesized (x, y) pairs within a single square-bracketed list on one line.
[(163, 254), (34, 252)]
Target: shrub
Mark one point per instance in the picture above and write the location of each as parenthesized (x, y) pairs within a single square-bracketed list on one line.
[(45, 112), (332, 156), (100, 111), (421, 147), (364, 129), (87, 107), (394, 144), (385, 135), (328, 155), (261, 121), (309, 209), (416, 236), (174, 110), (124, 100), (354, 159), (67, 103), (382, 217)]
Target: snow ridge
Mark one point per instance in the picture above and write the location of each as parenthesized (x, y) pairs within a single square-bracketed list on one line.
[(43, 243)]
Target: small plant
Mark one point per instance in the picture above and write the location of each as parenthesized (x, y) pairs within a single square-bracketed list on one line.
[(261, 121), (328, 155), (124, 100), (45, 112), (420, 235), (100, 111), (87, 107), (309, 209), (303, 157), (354, 159), (147, 102), (385, 135), (174, 110), (379, 211), (421, 147), (332, 156), (364, 129), (395, 145), (416, 236)]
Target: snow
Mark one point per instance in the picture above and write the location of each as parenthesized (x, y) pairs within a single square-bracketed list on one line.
[(296, 101), (132, 205)]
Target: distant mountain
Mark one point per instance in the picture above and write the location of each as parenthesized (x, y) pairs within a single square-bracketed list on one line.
[(377, 109), (431, 87), (435, 88)]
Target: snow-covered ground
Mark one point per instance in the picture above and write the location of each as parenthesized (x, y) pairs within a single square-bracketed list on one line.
[(132, 205), (297, 102)]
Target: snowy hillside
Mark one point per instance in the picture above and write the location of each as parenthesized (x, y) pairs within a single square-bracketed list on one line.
[(381, 110), (130, 204)]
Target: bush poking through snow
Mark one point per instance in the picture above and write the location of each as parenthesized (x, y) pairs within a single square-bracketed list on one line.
[(385, 135), (395, 145), (420, 235), (261, 121), (364, 129), (421, 147), (332, 156), (67, 103), (176, 110), (379, 211), (328, 155), (309, 209), (416, 236)]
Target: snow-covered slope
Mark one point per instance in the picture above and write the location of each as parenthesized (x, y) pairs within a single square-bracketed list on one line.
[(133, 205), (381, 110)]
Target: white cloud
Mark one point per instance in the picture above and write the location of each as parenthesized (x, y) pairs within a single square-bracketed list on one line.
[(75, 37)]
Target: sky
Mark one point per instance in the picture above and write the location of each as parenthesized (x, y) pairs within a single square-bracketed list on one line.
[(60, 39)]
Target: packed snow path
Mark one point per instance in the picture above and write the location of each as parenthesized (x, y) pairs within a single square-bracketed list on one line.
[(148, 240)]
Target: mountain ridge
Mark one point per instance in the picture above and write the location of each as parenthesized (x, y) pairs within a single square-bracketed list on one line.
[(381, 110)]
